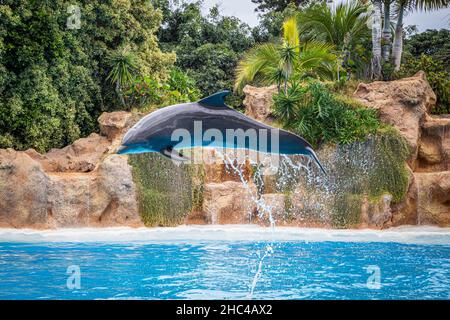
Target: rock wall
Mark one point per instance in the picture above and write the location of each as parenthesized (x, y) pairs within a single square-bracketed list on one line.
[(84, 184), (405, 104)]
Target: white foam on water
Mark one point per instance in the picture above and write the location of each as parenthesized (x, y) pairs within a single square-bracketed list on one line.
[(227, 233)]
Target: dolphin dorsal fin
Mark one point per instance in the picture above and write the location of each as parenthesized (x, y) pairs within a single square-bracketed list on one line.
[(216, 99)]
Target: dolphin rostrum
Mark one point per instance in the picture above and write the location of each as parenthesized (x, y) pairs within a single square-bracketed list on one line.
[(211, 123)]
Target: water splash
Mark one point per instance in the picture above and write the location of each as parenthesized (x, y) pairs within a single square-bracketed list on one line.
[(288, 173), (310, 198)]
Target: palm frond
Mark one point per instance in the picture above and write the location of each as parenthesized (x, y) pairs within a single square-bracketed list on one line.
[(263, 58)]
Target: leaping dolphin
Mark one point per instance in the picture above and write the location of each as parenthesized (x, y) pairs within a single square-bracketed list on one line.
[(155, 132)]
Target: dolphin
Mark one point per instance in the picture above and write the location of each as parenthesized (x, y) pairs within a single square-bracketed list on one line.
[(213, 118)]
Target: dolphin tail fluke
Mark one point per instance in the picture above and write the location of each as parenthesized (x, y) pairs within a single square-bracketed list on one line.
[(313, 155)]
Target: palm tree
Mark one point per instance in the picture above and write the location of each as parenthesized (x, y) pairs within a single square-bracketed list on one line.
[(277, 63), (386, 34), (343, 25), (376, 38), (124, 65), (409, 5)]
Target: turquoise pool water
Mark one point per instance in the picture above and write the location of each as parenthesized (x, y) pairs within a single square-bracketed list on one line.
[(225, 268)]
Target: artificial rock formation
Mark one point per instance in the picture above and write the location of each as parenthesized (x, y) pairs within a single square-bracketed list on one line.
[(83, 184), (258, 102), (433, 198), (229, 202), (402, 103), (405, 104)]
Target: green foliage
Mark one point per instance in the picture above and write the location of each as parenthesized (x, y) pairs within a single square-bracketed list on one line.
[(437, 76), (320, 116), (277, 5), (344, 26), (434, 43), (211, 65), (389, 173), (123, 65), (288, 59), (387, 70), (53, 80), (271, 24), (165, 191), (346, 210), (147, 93), (207, 46)]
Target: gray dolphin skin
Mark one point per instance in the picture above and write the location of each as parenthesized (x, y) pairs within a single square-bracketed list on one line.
[(213, 119)]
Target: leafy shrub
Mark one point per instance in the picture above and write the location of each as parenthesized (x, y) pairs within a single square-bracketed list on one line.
[(387, 71), (319, 116), (437, 76), (147, 92)]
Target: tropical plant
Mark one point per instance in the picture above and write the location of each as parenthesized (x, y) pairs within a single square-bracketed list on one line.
[(124, 65), (376, 24), (343, 25), (287, 59), (386, 35), (286, 103), (409, 5), (320, 116)]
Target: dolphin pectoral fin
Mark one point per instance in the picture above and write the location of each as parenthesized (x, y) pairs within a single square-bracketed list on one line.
[(169, 152), (312, 154), (216, 99)]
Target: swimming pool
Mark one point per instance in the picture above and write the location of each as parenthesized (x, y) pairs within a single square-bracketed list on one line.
[(221, 263)]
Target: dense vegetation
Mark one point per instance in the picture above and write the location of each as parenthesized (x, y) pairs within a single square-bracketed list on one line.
[(53, 77), (208, 47), (165, 191), (438, 76)]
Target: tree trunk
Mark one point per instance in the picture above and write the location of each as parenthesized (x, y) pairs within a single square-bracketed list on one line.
[(387, 37), (398, 40), (119, 93), (376, 39)]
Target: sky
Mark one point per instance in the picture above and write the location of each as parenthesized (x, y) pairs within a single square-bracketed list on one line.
[(244, 10)]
